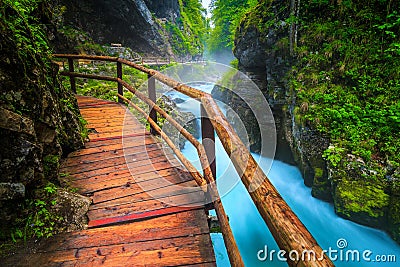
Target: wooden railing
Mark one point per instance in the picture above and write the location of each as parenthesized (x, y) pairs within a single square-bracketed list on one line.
[(155, 61), (286, 228)]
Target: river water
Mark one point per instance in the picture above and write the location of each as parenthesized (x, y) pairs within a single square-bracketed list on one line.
[(343, 239)]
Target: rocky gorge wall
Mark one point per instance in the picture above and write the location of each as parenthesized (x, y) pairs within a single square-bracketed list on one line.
[(39, 118), (148, 27), (130, 23), (263, 48)]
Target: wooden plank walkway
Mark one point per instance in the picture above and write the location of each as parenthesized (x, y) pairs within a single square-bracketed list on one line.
[(146, 210)]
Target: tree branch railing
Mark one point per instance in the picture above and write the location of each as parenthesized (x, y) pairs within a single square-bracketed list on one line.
[(286, 228)]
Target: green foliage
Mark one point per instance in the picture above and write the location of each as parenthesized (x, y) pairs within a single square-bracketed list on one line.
[(234, 63), (51, 163), (356, 196), (187, 36), (333, 155), (226, 17), (23, 29), (40, 219), (84, 130), (318, 172), (348, 74), (104, 89), (262, 17), (20, 17)]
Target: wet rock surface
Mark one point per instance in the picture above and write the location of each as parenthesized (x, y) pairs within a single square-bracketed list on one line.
[(39, 123), (130, 23), (72, 207), (185, 119)]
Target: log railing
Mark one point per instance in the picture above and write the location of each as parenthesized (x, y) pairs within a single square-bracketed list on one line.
[(286, 228)]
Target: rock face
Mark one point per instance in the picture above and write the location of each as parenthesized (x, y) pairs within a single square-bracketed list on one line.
[(164, 9), (39, 122), (72, 208), (264, 58), (264, 55), (185, 119), (249, 49), (131, 23), (238, 106), (358, 195)]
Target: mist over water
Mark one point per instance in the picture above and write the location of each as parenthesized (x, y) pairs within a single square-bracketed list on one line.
[(222, 56), (252, 234)]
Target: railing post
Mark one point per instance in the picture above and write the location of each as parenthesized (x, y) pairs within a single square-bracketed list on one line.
[(120, 87), (72, 78), (152, 95), (208, 140)]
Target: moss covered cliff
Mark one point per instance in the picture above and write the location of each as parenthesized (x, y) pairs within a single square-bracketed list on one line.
[(332, 69), (39, 119)]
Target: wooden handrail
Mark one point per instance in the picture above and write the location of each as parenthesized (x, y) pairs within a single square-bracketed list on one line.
[(286, 228), (232, 249)]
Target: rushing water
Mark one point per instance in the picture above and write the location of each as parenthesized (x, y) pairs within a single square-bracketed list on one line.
[(251, 233)]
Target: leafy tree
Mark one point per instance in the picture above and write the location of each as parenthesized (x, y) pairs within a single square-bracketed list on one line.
[(188, 35), (226, 16)]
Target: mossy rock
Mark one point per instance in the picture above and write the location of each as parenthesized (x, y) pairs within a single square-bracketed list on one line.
[(321, 188), (362, 202), (394, 218), (394, 211)]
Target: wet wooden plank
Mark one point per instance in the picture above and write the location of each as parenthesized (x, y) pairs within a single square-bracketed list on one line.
[(110, 123), (95, 104), (175, 251), (115, 144), (150, 183), (125, 140), (109, 165), (122, 127), (139, 216), (123, 177), (137, 192), (157, 165), (195, 198), (130, 154), (114, 109), (109, 154), (174, 225), (106, 135)]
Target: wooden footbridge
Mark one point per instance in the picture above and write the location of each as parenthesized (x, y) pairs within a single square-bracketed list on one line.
[(149, 209)]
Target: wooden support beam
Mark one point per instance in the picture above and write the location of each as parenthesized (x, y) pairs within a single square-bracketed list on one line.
[(208, 140), (71, 78), (120, 87), (152, 96)]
